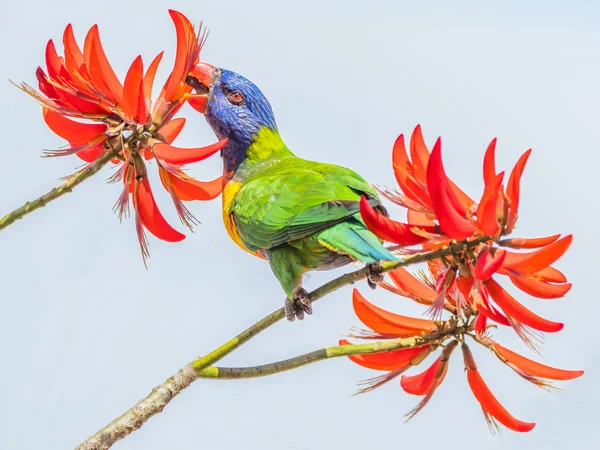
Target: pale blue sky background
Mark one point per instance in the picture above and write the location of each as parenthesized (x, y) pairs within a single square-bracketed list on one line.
[(86, 331)]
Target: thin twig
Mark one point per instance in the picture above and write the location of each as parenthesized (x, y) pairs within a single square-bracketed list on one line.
[(57, 192), (236, 373), (160, 396)]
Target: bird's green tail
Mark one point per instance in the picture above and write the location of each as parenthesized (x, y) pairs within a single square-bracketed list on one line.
[(355, 239)]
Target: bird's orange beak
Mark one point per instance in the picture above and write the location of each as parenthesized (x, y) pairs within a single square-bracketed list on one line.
[(201, 80)]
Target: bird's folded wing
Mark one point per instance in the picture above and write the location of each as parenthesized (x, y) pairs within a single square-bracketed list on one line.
[(293, 204)]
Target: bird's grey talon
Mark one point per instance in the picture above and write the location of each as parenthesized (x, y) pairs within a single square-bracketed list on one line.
[(290, 314), (307, 306), (375, 276), (297, 308)]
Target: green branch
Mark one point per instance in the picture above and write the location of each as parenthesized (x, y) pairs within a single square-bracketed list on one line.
[(236, 373), (160, 396), (57, 192)]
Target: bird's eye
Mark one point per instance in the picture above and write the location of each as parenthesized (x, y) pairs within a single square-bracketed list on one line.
[(236, 97)]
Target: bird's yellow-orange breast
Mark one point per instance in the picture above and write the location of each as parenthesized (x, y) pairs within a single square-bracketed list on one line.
[(229, 192)]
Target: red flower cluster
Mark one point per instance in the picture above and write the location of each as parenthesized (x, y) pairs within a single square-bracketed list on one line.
[(83, 85), (464, 283)]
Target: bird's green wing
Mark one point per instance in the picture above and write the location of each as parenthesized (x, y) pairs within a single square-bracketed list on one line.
[(295, 202)]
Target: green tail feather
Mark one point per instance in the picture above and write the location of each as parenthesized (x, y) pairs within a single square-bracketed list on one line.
[(354, 239)]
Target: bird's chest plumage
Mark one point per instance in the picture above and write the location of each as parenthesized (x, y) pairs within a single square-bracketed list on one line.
[(230, 190)]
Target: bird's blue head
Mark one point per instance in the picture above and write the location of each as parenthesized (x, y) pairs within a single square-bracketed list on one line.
[(234, 108)]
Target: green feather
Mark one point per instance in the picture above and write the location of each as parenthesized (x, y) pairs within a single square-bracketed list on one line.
[(294, 198), (302, 214)]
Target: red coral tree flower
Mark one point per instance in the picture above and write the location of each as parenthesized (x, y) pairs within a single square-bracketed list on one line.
[(121, 119), (465, 284)]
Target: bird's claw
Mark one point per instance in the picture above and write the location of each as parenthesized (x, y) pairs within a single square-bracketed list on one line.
[(375, 275), (300, 305)]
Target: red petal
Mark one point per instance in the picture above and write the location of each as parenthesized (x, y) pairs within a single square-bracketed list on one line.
[(423, 382), (388, 323), (143, 111), (464, 285), (404, 172), (399, 156), (187, 188), (412, 286), (540, 289), (97, 80), (99, 69), (171, 129), (108, 74), (463, 200), (91, 107), (76, 133), (73, 55), (486, 212), (512, 258), (479, 298), (480, 324), (460, 201), (451, 221), (92, 153), (198, 102), (534, 368), (173, 110), (45, 87), (418, 218), (388, 229), (53, 62), (530, 263), (513, 188), (420, 158), (151, 217), (416, 192), (516, 310), (180, 156), (551, 275), (131, 88), (489, 164), (492, 406), (387, 360), (75, 63), (150, 75), (489, 311), (486, 399), (487, 265), (520, 243), (419, 154), (188, 50)]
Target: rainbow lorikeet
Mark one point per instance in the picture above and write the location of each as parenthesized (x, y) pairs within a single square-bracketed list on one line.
[(299, 215)]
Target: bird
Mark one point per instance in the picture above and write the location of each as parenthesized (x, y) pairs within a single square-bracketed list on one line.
[(299, 215)]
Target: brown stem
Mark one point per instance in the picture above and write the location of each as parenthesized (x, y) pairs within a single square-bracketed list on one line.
[(57, 192), (160, 396), (235, 373)]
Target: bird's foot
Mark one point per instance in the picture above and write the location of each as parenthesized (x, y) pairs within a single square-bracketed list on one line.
[(300, 305), (375, 275)]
